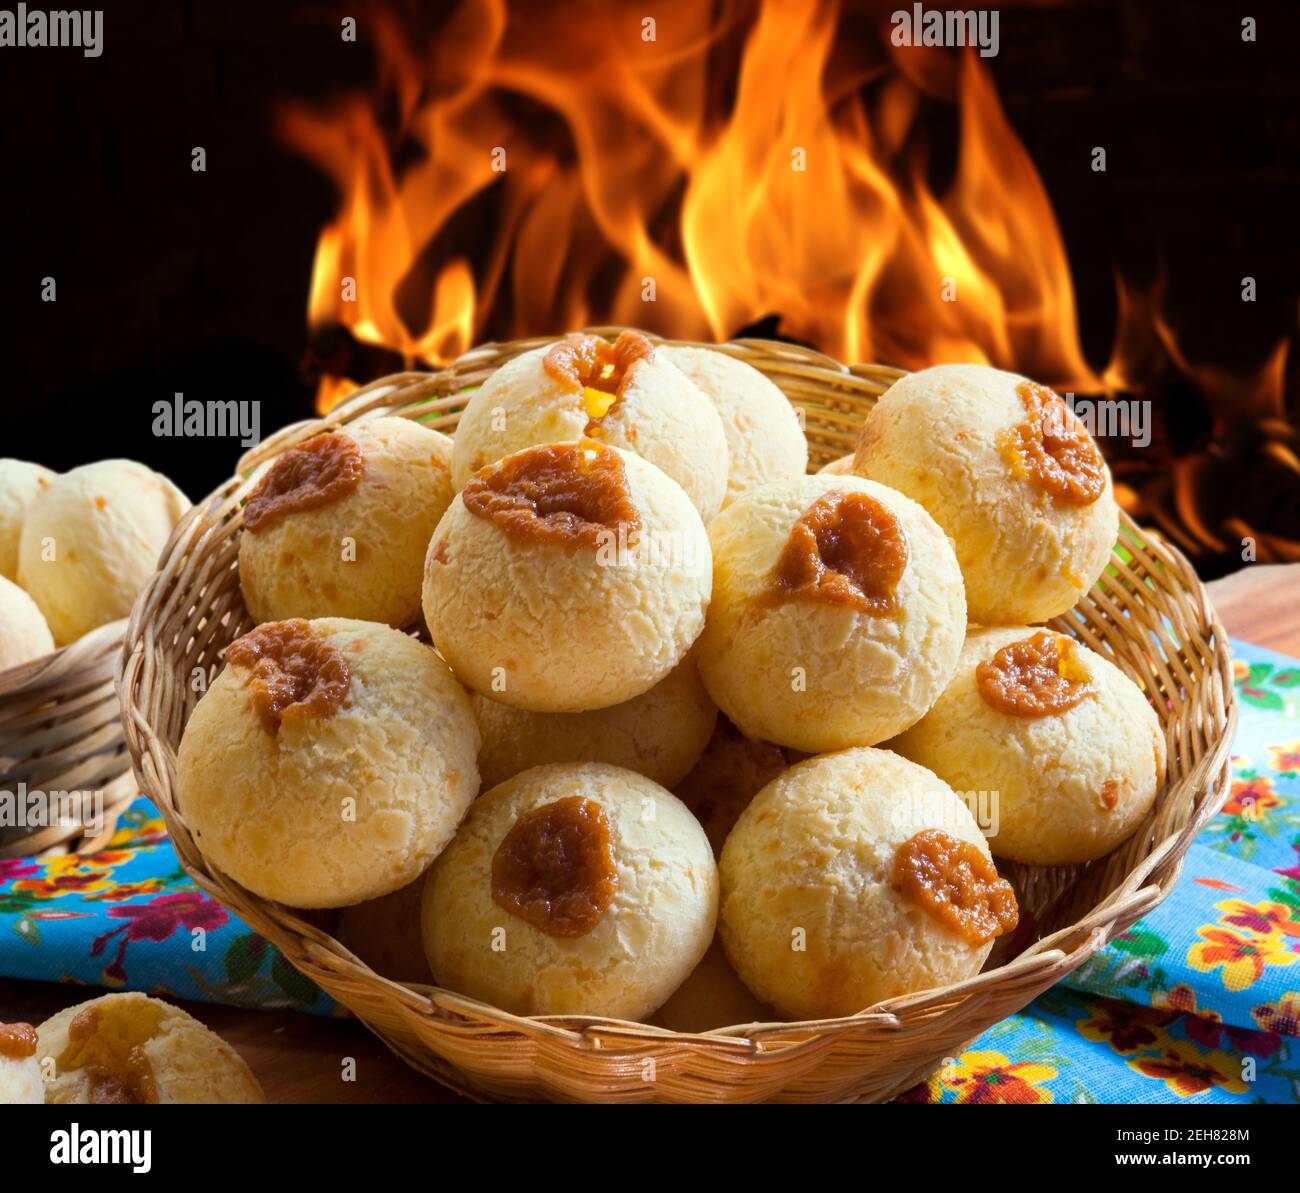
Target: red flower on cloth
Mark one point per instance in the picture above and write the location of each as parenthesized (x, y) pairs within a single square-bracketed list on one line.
[(55, 886), (1262, 918), (1250, 799), (156, 921), (918, 1095), (1209, 1034), (1292, 872), (1207, 1028), (12, 868)]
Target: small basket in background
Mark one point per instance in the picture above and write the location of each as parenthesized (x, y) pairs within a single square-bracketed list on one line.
[(61, 736)]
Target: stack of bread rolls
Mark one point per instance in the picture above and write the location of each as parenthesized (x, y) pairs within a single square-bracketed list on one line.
[(699, 737)]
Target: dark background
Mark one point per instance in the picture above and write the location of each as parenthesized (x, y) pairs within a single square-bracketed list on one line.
[(170, 280)]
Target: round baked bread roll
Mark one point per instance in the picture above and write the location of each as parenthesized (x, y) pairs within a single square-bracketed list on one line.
[(764, 439), (1010, 473), (837, 613), (1064, 746), (21, 1083), (731, 771), (20, 482), (329, 762), (841, 467), (338, 526), (857, 877), (91, 539), (385, 933), (135, 1050), (627, 394), (567, 577), (659, 734), (23, 632), (572, 890), (712, 997)]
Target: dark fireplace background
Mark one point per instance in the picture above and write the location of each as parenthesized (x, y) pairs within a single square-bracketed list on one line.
[(170, 280)]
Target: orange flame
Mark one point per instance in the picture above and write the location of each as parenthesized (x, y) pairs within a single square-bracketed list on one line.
[(1146, 345), (600, 172)]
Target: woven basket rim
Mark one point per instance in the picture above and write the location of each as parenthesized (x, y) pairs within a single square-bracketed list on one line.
[(1001, 990), (90, 648)]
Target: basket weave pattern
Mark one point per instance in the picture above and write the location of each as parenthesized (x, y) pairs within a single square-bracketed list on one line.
[(61, 730), (1148, 614)]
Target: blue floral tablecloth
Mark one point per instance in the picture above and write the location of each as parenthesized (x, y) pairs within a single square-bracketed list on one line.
[(1198, 1002)]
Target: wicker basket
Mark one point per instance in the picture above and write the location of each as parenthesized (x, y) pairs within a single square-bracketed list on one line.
[(61, 730), (1149, 615)]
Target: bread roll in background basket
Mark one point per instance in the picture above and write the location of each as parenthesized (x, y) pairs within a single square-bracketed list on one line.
[(1148, 614)]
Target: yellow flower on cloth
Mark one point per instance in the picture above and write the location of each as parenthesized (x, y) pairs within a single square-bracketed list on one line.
[(85, 863), (1125, 1026), (147, 830), (1282, 1016), (1263, 919), (74, 874), (1287, 757), (1181, 999), (65, 884), (989, 1078), (1188, 1071), (1242, 957)]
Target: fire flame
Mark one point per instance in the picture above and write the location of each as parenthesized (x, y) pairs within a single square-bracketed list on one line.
[(529, 170), (620, 188)]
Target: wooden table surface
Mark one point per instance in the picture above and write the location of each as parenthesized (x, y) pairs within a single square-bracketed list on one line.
[(301, 1058)]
